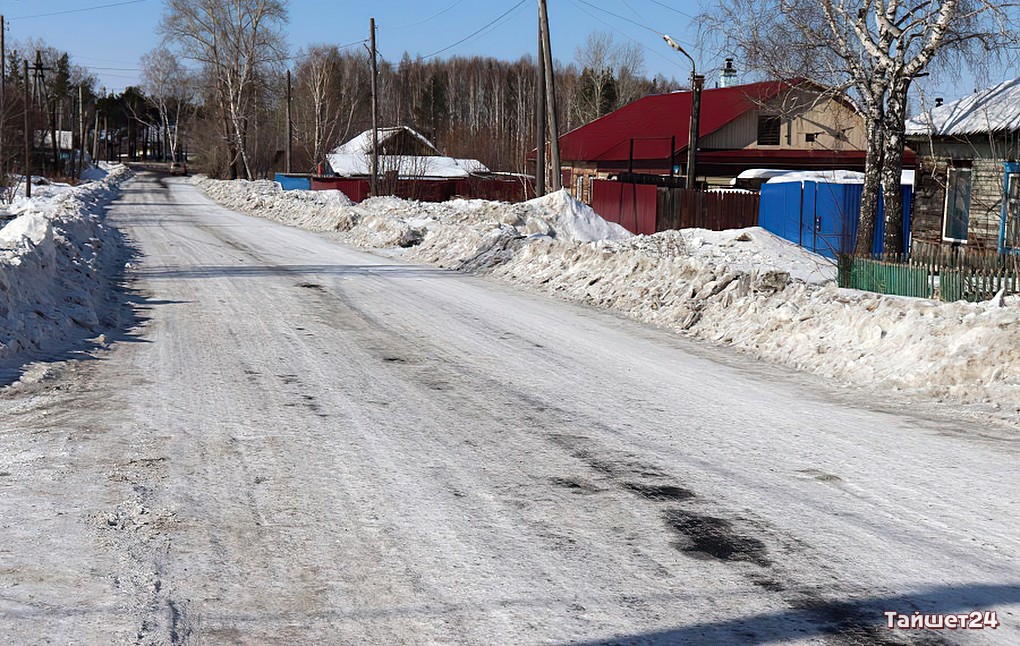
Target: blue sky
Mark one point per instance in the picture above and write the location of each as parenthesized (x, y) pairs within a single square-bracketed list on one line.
[(111, 39)]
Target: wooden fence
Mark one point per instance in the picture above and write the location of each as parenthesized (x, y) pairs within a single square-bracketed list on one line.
[(716, 210)]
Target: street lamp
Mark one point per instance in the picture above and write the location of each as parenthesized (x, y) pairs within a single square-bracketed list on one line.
[(697, 82)]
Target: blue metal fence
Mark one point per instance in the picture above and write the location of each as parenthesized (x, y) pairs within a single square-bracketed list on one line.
[(294, 182), (822, 217)]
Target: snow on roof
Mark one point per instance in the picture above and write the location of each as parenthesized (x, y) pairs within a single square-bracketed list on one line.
[(362, 144), (351, 159), (760, 173), (407, 166), (996, 109), (832, 177)]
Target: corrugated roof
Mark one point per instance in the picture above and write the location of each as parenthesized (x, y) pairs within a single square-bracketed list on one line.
[(996, 109), (653, 120)]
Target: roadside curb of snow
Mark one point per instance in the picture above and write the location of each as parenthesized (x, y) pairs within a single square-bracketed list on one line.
[(57, 259), (965, 352)]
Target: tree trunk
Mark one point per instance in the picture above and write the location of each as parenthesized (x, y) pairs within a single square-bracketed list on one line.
[(892, 167), (872, 183)]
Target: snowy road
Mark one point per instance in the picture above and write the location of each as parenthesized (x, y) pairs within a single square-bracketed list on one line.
[(305, 444)]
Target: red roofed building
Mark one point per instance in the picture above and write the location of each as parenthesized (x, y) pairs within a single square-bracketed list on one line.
[(773, 125)]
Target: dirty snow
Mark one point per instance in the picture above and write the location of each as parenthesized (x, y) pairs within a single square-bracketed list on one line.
[(55, 257), (744, 288)]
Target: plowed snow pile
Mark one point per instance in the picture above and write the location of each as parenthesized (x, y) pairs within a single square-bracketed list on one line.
[(745, 288), (55, 263)]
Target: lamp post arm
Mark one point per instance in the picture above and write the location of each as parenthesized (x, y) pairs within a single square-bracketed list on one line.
[(675, 45)]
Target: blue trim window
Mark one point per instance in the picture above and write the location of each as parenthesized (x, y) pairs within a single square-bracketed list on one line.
[(1009, 229), (957, 221)]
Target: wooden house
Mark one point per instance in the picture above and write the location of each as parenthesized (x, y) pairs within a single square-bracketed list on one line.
[(967, 186)]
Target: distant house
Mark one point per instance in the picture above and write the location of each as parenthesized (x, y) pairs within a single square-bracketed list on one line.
[(967, 189), (404, 153), (788, 125)]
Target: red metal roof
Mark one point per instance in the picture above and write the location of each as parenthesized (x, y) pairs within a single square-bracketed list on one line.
[(653, 120)]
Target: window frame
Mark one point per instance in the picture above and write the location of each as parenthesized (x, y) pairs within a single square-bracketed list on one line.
[(957, 169), (762, 118), (1011, 174)]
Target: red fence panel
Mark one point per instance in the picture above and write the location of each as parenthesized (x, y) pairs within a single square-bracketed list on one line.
[(432, 190), (356, 189), (632, 206)]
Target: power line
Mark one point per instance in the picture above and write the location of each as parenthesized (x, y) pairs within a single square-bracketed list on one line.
[(624, 18), (666, 6), (472, 35), (670, 60), (296, 57), (432, 17), (67, 11)]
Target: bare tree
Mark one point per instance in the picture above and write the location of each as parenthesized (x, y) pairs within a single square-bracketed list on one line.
[(170, 90), (240, 42), (611, 75), (329, 92)]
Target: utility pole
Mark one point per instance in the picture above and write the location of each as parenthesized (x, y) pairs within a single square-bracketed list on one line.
[(3, 93), (3, 60), (28, 140), (81, 130), (697, 83), (375, 114), (290, 127), (555, 173), (540, 119), (95, 138)]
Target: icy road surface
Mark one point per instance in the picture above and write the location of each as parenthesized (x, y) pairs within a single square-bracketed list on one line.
[(305, 444)]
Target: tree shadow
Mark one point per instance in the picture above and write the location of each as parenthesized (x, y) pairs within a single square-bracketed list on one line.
[(256, 270)]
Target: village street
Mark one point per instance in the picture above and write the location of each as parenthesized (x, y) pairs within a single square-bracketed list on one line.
[(299, 443)]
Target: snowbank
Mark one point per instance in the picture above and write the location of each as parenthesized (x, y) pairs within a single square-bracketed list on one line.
[(53, 256), (745, 288)]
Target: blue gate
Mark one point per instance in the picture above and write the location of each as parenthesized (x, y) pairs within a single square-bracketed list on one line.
[(822, 217)]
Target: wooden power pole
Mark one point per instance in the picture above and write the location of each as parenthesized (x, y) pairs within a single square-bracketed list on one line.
[(540, 119), (373, 182), (95, 138), (28, 139), (290, 127), (81, 130), (555, 173)]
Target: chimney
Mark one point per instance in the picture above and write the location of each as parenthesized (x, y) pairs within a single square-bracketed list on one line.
[(938, 102), (728, 76)]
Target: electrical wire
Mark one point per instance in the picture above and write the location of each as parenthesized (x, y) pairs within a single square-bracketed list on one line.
[(666, 6), (670, 60), (472, 35), (430, 18), (67, 11)]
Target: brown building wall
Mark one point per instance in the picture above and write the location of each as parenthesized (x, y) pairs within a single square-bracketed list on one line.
[(985, 200)]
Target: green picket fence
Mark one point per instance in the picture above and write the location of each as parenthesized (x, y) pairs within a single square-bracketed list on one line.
[(929, 280)]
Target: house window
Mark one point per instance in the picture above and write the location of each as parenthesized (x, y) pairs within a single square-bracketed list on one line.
[(768, 130), (1009, 235), (809, 137), (957, 219)]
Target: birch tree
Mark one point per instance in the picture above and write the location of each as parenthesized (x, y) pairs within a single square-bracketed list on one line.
[(170, 90), (327, 96), (240, 43)]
